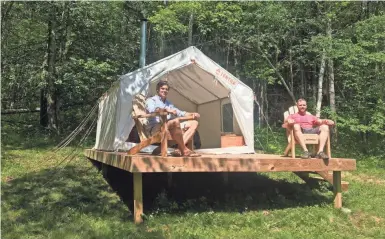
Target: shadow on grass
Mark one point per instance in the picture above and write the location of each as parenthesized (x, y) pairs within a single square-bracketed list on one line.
[(196, 192), (77, 202), (69, 203)]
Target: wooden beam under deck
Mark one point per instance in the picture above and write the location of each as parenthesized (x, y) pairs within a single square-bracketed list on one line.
[(145, 163)]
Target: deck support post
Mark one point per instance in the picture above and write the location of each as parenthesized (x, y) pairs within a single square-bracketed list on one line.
[(337, 189), (138, 198)]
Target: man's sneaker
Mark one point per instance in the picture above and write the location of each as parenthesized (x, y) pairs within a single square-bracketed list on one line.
[(322, 155), (305, 155)]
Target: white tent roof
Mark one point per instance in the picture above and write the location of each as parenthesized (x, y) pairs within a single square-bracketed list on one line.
[(191, 75)]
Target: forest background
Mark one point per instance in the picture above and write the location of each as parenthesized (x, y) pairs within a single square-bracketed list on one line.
[(61, 56), (58, 58)]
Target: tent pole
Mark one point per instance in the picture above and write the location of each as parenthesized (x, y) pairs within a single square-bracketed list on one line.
[(142, 59)]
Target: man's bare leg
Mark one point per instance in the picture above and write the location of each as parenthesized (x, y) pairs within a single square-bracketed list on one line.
[(323, 137), (176, 134), (192, 125), (299, 136)]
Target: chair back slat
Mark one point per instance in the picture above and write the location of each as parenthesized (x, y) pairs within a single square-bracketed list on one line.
[(139, 108), (290, 111)]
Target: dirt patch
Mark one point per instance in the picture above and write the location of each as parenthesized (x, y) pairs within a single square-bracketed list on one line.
[(359, 218), (378, 220), (7, 179), (364, 178)]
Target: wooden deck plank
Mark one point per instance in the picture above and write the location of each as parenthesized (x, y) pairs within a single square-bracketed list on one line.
[(145, 163)]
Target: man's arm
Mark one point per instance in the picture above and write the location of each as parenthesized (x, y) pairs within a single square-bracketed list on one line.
[(327, 122), (324, 121), (289, 120), (193, 114), (173, 110), (150, 105)]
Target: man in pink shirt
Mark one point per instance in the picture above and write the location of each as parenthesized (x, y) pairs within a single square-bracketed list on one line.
[(305, 123)]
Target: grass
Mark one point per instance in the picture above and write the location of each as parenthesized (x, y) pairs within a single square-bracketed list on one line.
[(44, 196)]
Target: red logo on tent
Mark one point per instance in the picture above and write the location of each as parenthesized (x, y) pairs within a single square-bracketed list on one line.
[(225, 76)]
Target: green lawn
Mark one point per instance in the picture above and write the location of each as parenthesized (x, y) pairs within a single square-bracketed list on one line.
[(46, 195)]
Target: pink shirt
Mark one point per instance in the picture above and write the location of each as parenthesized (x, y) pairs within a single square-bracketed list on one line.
[(305, 121)]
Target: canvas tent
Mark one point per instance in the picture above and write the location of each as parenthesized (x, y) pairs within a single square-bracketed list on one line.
[(197, 83)]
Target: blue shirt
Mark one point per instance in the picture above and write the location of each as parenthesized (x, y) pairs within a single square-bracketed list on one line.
[(156, 102)]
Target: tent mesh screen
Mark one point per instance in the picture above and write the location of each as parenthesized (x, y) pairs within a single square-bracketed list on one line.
[(227, 118)]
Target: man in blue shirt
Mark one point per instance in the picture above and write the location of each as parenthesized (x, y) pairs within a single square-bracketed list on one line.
[(159, 102)]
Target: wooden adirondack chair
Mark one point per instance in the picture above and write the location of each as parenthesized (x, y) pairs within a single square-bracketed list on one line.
[(309, 138), (140, 116)]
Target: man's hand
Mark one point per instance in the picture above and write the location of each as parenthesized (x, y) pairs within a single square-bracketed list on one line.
[(171, 111), (160, 110), (195, 115), (328, 122), (290, 122)]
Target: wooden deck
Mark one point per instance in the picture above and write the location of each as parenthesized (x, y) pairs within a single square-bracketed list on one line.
[(145, 163)]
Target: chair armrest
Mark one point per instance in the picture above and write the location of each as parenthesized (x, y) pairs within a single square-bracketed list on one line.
[(149, 115), (287, 126), (184, 118)]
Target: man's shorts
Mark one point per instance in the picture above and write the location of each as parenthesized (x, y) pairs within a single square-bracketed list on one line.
[(151, 130), (311, 130)]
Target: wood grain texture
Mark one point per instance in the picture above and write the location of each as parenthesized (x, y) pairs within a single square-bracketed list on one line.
[(146, 163), (138, 198), (152, 140), (163, 133)]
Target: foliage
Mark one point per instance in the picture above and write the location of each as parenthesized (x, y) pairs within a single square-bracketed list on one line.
[(265, 44)]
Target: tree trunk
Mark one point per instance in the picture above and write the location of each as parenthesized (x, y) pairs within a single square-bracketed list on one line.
[(43, 109), (5, 9), (280, 77), (161, 46), (313, 86), (291, 72), (65, 41), (303, 86), (255, 89), (266, 113), (227, 56), (236, 63), (190, 29), (320, 83), (49, 73), (64, 46), (261, 104), (332, 94)]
